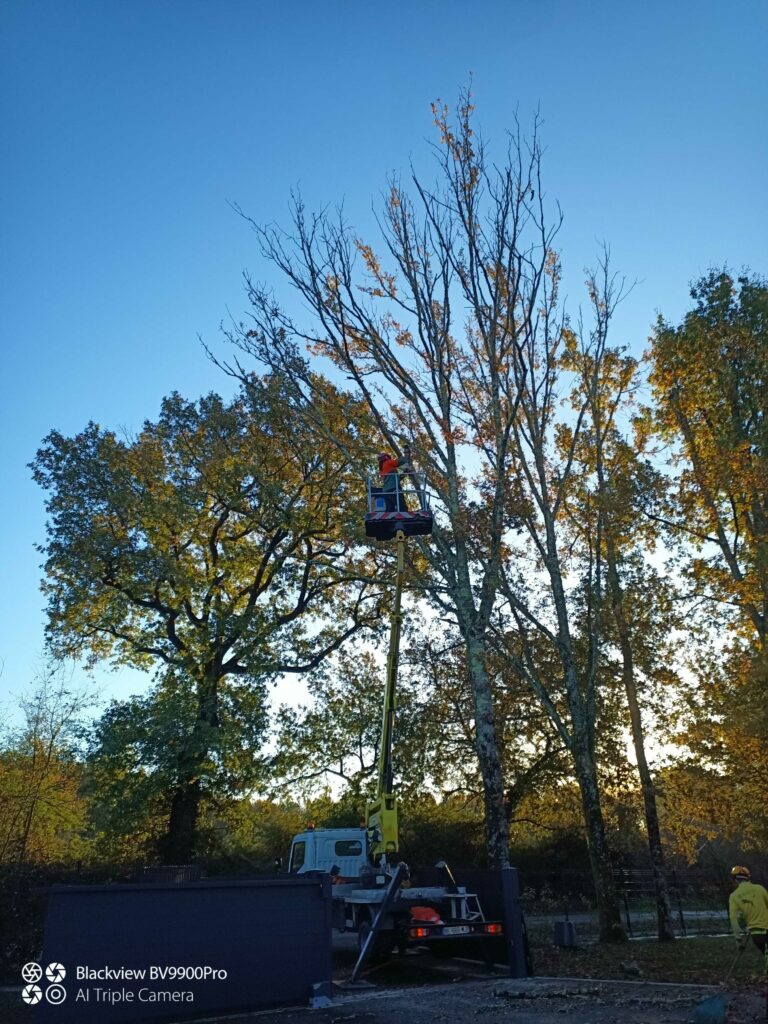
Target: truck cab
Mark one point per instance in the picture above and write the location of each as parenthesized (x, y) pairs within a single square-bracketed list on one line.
[(320, 849)]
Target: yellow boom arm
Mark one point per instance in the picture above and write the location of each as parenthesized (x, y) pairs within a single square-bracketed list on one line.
[(381, 813)]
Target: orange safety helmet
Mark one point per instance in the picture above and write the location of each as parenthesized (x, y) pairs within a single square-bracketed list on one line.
[(740, 872)]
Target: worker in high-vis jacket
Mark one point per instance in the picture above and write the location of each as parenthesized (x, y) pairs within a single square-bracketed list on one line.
[(748, 910), (388, 467)]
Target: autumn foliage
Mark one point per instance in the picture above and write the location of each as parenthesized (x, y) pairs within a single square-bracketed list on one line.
[(585, 661)]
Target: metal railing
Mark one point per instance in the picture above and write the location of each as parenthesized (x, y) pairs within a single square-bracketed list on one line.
[(698, 906), (408, 495)]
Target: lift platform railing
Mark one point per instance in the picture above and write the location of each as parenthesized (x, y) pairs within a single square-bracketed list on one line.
[(400, 502), (409, 494)]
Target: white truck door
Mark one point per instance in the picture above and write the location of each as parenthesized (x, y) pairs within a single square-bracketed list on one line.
[(301, 858), (349, 854)]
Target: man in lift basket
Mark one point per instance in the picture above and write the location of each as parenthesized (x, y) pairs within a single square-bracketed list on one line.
[(390, 488)]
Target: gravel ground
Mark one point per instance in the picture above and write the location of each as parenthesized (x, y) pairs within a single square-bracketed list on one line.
[(421, 988), (504, 1001), (494, 1000)]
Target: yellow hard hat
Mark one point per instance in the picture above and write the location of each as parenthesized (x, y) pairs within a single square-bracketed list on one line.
[(740, 872)]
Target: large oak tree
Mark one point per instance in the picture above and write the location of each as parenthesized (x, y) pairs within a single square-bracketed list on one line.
[(218, 544)]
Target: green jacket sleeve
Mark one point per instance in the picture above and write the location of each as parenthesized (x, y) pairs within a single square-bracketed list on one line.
[(733, 914)]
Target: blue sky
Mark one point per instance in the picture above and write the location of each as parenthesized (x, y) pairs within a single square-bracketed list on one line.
[(128, 126)]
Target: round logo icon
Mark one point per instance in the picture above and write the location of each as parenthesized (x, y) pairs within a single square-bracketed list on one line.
[(32, 972), (55, 973), (31, 994), (55, 994)]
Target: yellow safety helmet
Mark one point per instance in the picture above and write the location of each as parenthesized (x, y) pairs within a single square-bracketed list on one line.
[(740, 872)]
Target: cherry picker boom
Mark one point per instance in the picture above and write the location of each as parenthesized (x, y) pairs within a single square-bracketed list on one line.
[(381, 812), (388, 516), (368, 892)]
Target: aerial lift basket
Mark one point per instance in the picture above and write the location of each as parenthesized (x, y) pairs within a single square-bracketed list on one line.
[(406, 508)]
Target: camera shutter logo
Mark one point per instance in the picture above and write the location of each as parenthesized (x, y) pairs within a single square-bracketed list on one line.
[(55, 994), (31, 994), (32, 972), (55, 973)]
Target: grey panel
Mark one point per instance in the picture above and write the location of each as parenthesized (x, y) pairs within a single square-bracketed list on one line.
[(272, 937)]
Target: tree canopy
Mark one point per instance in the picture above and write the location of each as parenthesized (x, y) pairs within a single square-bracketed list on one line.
[(219, 542), (200, 543)]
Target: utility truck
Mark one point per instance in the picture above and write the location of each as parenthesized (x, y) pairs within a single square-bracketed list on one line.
[(372, 892)]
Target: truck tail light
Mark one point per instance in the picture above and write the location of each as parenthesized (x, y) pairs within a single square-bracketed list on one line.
[(419, 933), (492, 929)]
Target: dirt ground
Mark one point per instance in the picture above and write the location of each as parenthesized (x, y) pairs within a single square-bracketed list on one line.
[(503, 1001)]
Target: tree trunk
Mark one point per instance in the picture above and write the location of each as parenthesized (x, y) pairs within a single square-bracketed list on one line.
[(582, 748), (609, 919), (487, 746), (663, 910), (473, 626), (179, 844)]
